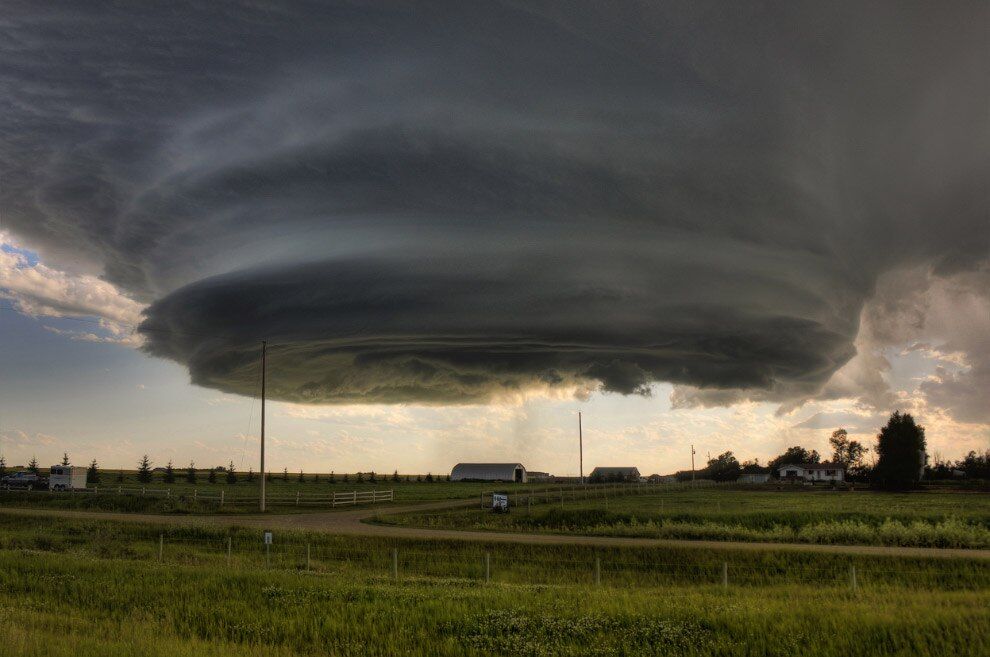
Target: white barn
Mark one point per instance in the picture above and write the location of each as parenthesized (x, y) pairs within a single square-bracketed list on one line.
[(514, 472), (813, 471)]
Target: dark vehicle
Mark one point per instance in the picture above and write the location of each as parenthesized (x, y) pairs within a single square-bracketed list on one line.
[(25, 480)]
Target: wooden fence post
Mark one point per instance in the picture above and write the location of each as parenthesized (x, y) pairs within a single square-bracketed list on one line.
[(395, 564), (229, 549), (598, 571), (852, 577), (297, 498)]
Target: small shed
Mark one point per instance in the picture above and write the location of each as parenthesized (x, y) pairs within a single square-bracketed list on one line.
[(514, 472), (615, 473), (754, 478)]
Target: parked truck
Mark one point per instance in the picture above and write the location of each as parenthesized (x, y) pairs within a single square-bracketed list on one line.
[(23, 480), (66, 477)]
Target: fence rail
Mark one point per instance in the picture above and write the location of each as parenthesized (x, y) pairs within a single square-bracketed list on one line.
[(332, 500), (603, 491)]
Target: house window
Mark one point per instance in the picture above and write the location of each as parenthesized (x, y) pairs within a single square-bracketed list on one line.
[(830, 473)]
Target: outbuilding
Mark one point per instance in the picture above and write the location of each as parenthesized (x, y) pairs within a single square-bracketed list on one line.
[(514, 472), (813, 471), (754, 478), (615, 473)]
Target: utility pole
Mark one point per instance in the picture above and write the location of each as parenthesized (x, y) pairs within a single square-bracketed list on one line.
[(264, 353), (692, 461), (581, 448)]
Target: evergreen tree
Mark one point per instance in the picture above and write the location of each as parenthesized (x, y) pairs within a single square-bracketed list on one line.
[(347, 477), (93, 474), (395, 476), (231, 474), (285, 475), (33, 465), (372, 478), (316, 478), (429, 477), (169, 475), (191, 473), (144, 470), (268, 476), (901, 452), (65, 458), (212, 477), (419, 477), (250, 474), (301, 477), (3, 466), (333, 479)]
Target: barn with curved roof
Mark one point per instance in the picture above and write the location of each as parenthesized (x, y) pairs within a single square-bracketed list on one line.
[(489, 472)]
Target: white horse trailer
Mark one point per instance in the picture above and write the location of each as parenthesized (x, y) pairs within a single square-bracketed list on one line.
[(66, 477)]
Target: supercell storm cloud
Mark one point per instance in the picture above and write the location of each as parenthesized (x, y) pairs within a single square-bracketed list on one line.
[(447, 202)]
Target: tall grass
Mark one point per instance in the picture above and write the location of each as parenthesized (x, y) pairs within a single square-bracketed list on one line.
[(920, 520), (55, 605)]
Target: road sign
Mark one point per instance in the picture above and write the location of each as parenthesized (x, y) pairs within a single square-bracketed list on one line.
[(268, 538)]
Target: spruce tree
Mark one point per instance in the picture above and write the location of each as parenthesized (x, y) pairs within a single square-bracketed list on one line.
[(395, 476), (144, 470), (301, 477), (191, 473), (3, 466), (93, 474), (316, 478), (65, 458), (33, 466), (372, 478), (169, 475), (429, 477), (231, 474), (212, 477), (333, 479), (285, 474)]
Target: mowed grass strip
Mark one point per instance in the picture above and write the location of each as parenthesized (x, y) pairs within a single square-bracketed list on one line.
[(923, 519)]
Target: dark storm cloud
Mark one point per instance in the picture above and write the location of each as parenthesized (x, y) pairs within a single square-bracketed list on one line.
[(444, 202)]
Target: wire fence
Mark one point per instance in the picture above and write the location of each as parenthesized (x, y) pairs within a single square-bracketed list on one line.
[(598, 491), (497, 564), (220, 497)]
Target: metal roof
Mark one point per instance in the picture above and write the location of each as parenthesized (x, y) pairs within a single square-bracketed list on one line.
[(488, 471), (623, 470)]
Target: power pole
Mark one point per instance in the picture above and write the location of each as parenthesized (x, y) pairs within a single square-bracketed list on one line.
[(692, 462), (264, 354), (581, 448)]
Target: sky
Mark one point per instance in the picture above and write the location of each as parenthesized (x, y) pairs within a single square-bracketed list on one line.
[(459, 224)]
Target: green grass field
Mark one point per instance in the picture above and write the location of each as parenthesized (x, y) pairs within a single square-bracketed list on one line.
[(935, 519), (97, 588)]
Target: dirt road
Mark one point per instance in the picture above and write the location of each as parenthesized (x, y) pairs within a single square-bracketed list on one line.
[(350, 523)]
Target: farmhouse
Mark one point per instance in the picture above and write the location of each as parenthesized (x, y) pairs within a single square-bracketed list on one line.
[(813, 471), (534, 476), (489, 472), (623, 473)]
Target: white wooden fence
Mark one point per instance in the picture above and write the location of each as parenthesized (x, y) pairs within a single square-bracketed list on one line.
[(298, 498)]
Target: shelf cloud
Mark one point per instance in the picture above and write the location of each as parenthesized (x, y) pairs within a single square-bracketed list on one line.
[(449, 203)]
